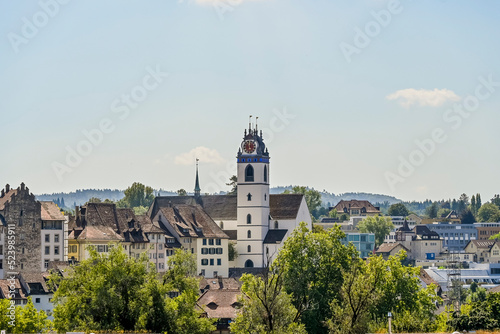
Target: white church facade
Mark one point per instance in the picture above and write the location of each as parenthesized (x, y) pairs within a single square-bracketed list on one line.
[(257, 222)]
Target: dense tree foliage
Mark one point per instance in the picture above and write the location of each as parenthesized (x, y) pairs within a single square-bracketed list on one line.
[(489, 212), (398, 209), (25, 319), (266, 307), (137, 195), (111, 292), (381, 226), (432, 210), (312, 264)]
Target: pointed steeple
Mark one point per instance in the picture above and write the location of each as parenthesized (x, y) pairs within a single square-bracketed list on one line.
[(197, 182)]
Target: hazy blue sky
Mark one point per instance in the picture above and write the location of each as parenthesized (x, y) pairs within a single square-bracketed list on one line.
[(356, 102)]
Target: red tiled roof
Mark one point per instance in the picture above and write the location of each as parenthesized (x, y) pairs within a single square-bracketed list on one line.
[(356, 204), (98, 233), (7, 198), (387, 247), (50, 211), (220, 304)]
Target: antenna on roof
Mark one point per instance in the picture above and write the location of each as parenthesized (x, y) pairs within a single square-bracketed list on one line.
[(256, 119), (250, 123)]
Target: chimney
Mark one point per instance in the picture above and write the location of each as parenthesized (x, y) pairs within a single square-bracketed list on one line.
[(7, 188), (77, 212)]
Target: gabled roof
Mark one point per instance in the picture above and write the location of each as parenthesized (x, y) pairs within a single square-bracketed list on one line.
[(285, 206), (147, 225), (97, 233), (6, 198), (484, 244), (452, 215), (356, 204), (96, 221), (4, 288), (224, 207), (388, 247), (36, 282), (424, 230), (192, 221), (50, 211), (220, 304), (275, 236)]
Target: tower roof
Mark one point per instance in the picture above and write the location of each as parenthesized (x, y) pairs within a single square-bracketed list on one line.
[(197, 188)]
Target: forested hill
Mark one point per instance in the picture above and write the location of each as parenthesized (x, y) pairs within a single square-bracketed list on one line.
[(330, 199), (81, 196)]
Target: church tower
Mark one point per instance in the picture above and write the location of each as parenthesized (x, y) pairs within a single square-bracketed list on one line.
[(253, 199)]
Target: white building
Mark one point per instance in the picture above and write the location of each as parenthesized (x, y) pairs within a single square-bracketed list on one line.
[(54, 235), (257, 222)]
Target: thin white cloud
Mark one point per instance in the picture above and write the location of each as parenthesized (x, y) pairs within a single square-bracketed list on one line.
[(423, 97), (205, 154)]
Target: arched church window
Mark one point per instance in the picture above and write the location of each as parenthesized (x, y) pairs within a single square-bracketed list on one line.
[(249, 219), (276, 225), (222, 225), (249, 248), (249, 234), (249, 196), (249, 173), (265, 174), (249, 264)]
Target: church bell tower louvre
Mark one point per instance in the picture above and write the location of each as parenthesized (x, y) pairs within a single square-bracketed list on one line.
[(253, 198)]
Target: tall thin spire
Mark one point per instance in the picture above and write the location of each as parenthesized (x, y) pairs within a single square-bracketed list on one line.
[(197, 189), (250, 124)]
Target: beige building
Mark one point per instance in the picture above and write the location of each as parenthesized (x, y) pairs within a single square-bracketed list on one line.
[(357, 208), (483, 251), (196, 231)]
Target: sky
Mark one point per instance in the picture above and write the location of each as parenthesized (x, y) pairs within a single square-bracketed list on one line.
[(393, 97)]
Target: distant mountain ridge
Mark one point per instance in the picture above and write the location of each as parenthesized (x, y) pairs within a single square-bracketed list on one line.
[(331, 199), (81, 196)]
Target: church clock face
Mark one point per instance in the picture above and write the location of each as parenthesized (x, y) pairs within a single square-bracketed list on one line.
[(249, 146)]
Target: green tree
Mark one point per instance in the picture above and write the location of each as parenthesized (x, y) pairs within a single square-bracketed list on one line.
[(233, 183), (312, 265), (94, 200), (313, 198), (402, 294), (232, 252), (398, 209), (496, 200), (140, 210), (111, 292), (488, 212), (432, 210), (473, 207), (181, 192), (333, 214), (463, 203), (381, 226), (137, 195), (478, 201), (266, 307), (467, 217), (30, 320), (359, 293)]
